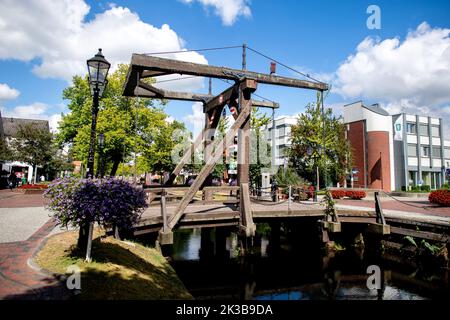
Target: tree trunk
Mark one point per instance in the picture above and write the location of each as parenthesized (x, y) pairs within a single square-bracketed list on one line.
[(83, 235), (115, 167)]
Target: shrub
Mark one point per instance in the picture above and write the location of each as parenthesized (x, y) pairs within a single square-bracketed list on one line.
[(425, 188), (305, 193), (415, 188), (338, 194), (440, 197), (356, 194), (445, 186), (109, 202), (403, 188)]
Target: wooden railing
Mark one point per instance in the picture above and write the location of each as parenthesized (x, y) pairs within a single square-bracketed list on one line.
[(208, 195)]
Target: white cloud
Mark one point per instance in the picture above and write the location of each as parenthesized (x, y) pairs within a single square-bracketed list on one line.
[(417, 69), (410, 76), (228, 10), (196, 118), (35, 110), (57, 34), (8, 93)]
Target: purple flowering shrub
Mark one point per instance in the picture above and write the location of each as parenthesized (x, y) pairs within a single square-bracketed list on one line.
[(109, 202)]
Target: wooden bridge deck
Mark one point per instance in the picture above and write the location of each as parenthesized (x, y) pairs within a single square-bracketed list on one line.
[(209, 215)]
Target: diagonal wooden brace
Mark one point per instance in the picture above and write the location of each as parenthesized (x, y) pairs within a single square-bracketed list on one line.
[(209, 166)]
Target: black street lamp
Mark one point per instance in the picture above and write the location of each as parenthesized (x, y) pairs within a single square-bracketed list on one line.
[(98, 68), (310, 152), (101, 144)]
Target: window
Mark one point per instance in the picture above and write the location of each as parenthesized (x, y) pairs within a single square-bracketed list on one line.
[(425, 151), (412, 150), (436, 152), (435, 132), (411, 128), (423, 129), (281, 131), (447, 153)]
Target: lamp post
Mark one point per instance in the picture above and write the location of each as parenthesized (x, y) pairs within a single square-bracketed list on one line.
[(101, 144), (310, 152), (98, 68)]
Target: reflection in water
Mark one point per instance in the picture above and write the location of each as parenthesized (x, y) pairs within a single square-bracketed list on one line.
[(212, 268)]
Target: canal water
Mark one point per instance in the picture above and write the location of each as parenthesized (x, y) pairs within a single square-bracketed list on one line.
[(286, 268)]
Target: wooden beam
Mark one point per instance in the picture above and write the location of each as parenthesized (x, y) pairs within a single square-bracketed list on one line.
[(209, 166), (222, 98), (243, 165), (145, 90), (246, 219), (148, 91), (140, 63)]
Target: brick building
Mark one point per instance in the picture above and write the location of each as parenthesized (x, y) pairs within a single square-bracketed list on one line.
[(393, 152)]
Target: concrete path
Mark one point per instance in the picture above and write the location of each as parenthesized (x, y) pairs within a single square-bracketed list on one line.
[(18, 224)]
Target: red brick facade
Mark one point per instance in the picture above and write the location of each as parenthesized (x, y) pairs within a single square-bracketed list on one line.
[(356, 137), (370, 156)]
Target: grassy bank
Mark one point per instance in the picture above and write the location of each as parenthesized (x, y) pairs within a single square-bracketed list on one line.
[(119, 270)]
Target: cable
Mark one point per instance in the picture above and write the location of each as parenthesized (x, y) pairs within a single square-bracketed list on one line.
[(257, 95), (176, 79), (192, 50), (284, 65), (406, 203)]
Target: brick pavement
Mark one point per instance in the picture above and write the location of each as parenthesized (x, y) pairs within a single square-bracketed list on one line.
[(404, 205), (18, 280), (16, 199)]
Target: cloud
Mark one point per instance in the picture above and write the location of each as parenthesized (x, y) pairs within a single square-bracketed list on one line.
[(8, 93), (410, 76), (228, 10), (37, 110), (58, 35), (417, 69), (196, 118)]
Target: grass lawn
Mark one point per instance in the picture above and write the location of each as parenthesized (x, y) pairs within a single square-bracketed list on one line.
[(119, 270)]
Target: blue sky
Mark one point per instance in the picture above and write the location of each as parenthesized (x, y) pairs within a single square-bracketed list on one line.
[(403, 65)]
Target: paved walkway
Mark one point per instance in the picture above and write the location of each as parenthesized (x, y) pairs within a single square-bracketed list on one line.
[(408, 205), (20, 280), (16, 199)]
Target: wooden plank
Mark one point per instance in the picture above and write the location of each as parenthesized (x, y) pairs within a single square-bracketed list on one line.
[(141, 63), (420, 234), (209, 166), (246, 211)]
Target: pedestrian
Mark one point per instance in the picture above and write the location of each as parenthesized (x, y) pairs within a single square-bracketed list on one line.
[(12, 180)]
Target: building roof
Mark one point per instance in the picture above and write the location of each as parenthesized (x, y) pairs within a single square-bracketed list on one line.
[(10, 126), (377, 109)]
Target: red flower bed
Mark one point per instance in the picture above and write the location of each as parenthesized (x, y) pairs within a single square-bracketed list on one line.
[(355, 194), (338, 194), (441, 197), (33, 186)]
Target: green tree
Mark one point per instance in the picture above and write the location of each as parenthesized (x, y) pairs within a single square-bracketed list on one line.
[(258, 121), (313, 146), (5, 152), (33, 145), (130, 125)]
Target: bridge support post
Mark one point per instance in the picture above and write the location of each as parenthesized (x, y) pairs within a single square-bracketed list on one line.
[(246, 220), (380, 227), (165, 236)]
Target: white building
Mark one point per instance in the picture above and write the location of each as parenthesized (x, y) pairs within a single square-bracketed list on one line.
[(282, 138)]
